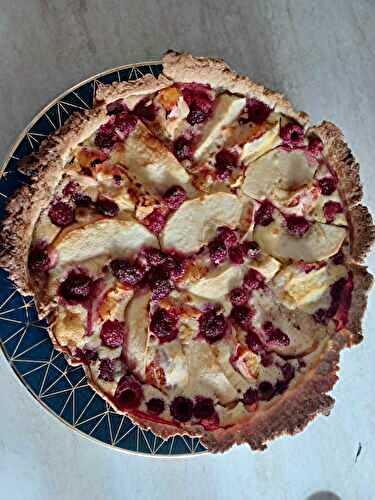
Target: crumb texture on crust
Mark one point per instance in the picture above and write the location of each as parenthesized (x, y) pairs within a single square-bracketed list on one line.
[(341, 159), (308, 397), (148, 84), (215, 72)]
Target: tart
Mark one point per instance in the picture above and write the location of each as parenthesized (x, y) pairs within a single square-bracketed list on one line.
[(197, 246)]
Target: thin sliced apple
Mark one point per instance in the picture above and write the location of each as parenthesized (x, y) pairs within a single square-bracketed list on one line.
[(296, 288), (254, 148), (319, 243), (112, 237), (221, 281), (301, 329), (227, 108), (205, 373), (218, 282), (136, 322), (195, 223), (277, 169), (150, 162)]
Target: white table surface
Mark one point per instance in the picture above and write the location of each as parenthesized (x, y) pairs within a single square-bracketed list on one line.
[(322, 55)]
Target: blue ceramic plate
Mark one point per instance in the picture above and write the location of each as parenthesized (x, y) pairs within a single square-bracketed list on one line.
[(60, 388)]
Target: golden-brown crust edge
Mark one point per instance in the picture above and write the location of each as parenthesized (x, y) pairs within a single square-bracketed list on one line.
[(185, 68), (341, 159), (122, 90)]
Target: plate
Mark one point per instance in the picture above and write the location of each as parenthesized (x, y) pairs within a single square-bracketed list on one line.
[(58, 387)]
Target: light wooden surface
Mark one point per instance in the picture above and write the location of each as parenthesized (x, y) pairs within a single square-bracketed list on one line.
[(322, 55)]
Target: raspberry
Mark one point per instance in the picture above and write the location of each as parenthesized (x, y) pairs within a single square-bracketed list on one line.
[(116, 107), (250, 397), (126, 272), (112, 333), (200, 103), (106, 206), (257, 111), (158, 279), (82, 200), (217, 252), (181, 409), (263, 215), (225, 162), (61, 214), (155, 406), (154, 257), (227, 236), (236, 254), (183, 148), (39, 260), (316, 147), (70, 188), (275, 335), (203, 408), (242, 315), (145, 110), (76, 287), (129, 392), (297, 225), (174, 197), (106, 370), (239, 296), (292, 134), (212, 325), (253, 280), (155, 221), (164, 324), (85, 355), (331, 209), (117, 129), (251, 249), (253, 342), (265, 391), (327, 185)]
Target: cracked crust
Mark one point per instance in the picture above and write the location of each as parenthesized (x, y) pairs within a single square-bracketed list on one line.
[(185, 68), (308, 398), (341, 159)]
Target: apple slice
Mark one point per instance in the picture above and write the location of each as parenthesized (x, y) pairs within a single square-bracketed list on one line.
[(295, 332), (226, 110), (112, 237), (195, 223), (255, 147), (205, 373), (319, 243), (219, 282), (151, 163), (296, 288), (277, 169), (136, 322)]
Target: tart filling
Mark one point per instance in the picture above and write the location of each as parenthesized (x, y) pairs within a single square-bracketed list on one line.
[(194, 251)]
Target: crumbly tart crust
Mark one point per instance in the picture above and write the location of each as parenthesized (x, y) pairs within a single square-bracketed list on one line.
[(306, 396)]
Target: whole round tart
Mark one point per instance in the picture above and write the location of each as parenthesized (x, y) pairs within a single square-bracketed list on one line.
[(197, 246)]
